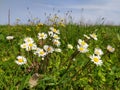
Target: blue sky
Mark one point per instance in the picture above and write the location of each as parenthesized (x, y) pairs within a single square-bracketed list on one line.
[(93, 10)]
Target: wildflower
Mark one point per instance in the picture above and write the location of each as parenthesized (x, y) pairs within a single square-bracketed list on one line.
[(86, 36), (94, 36), (43, 58), (82, 43), (42, 35), (82, 49), (40, 52), (98, 51), (54, 30), (96, 60), (29, 46), (55, 36), (40, 24), (56, 42), (70, 46), (50, 33), (62, 24), (21, 60), (58, 50), (74, 59), (28, 40), (48, 49), (24, 45), (9, 37), (110, 48)]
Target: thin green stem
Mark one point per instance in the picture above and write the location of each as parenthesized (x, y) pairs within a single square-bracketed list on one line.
[(70, 60), (81, 69)]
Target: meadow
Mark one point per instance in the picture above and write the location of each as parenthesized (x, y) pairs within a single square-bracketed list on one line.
[(59, 57)]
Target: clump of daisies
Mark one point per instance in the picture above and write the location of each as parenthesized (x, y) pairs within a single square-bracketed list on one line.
[(42, 35), (52, 43), (96, 57), (82, 46), (29, 44)]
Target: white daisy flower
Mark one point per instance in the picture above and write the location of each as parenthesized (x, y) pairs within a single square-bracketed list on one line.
[(50, 33), (82, 49), (70, 46), (31, 46), (96, 60), (98, 51), (54, 30), (9, 37), (86, 36), (40, 52), (56, 42), (82, 43), (48, 49), (74, 59), (42, 36), (110, 48), (36, 51), (24, 45), (21, 60), (55, 36), (58, 50), (28, 40), (94, 36)]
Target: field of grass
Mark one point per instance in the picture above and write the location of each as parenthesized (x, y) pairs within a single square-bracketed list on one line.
[(68, 69)]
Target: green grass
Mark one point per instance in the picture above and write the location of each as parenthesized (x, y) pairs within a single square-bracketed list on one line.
[(58, 75)]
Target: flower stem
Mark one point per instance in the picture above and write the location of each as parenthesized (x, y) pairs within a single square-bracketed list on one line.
[(81, 69), (70, 60)]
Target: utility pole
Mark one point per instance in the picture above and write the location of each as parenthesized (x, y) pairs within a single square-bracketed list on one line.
[(9, 16)]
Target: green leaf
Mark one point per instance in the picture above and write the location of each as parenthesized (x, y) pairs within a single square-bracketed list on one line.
[(118, 36)]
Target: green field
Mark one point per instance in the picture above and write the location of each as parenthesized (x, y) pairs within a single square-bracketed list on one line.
[(70, 69)]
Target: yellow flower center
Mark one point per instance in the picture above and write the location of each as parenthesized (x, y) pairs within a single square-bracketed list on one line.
[(49, 49), (83, 43), (94, 35), (54, 30), (55, 43), (110, 49), (95, 59), (30, 44), (42, 52), (20, 60), (55, 36), (81, 48), (42, 35)]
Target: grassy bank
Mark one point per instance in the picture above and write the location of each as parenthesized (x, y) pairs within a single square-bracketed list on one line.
[(70, 69)]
